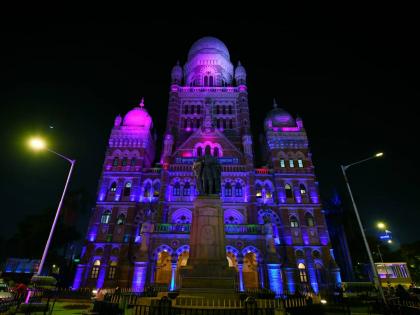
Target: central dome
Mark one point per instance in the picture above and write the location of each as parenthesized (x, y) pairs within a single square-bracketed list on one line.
[(208, 45)]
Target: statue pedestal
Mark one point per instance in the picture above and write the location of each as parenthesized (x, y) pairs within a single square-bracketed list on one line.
[(207, 269)]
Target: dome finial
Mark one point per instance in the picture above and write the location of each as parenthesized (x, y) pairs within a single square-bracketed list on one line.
[(142, 102), (274, 103)]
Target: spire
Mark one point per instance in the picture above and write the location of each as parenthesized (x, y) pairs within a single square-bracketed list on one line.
[(274, 103), (142, 102)]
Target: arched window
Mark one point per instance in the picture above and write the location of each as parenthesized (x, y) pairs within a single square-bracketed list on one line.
[(302, 189), (293, 221), (106, 217), (206, 80), (228, 190), (309, 219), (177, 189), (288, 189), (127, 189), (112, 270), (238, 189), (300, 163), (216, 152), (230, 124), (211, 81), (124, 161), (121, 219), (95, 269), (187, 189), (268, 192), (258, 191), (147, 192), (156, 189), (133, 161), (113, 187), (115, 162), (230, 109), (302, 273), (199, 151), (291, 163)]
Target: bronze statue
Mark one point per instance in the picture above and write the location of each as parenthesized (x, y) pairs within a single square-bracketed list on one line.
[(207, 172)]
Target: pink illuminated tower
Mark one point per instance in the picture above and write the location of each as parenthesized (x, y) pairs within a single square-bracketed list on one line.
[(276, 235)]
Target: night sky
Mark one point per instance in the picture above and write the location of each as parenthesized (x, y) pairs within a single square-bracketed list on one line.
[(354, 82)]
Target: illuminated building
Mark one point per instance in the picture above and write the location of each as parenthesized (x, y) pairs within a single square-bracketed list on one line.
[(276, 235)]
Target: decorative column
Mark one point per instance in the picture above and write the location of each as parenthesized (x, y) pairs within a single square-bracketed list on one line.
[(139, 276), (274, 278), (290, 277), (172, 286), (101, 276), (152, 271), (78, 277), (261, 273), (241, 274)]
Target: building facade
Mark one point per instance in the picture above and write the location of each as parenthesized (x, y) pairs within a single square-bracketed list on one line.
[(275, 231)]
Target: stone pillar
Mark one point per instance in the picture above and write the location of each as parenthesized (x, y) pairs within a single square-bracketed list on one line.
[(152, 271), (274, 278), (172, 285), (139, 276), (78, 276), (261, 273), (241, 277), (101, 276), (290, 277)]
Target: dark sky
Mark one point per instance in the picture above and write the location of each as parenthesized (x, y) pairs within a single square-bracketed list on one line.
[(353, 81)]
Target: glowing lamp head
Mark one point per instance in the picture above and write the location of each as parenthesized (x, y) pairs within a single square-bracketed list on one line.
[(379, 154), (323, 301), (381, 225), (389, 241), (37, 144)]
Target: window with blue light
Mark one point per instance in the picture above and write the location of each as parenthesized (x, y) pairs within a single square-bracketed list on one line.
[(106, 217), (282, 163), (238, 190), (115, 162), (126, 238), (186, 191), (121, 219), (228, 190), (300, 163), (177, 189), (124, 162), (127, 189), (133, 162), (291, 163)]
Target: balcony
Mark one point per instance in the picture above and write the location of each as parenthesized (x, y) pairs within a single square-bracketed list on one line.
[(176, 228)]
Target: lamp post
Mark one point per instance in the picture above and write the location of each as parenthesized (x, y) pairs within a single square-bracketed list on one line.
[(372, 264), (39, 144)]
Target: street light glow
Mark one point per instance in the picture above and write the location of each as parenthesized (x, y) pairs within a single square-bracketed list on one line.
[(379, 154), (389, 241), (37, 144), (381, 225)]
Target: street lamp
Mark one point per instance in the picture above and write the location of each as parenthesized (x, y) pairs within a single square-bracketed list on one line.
[(372, 264), (381, 225), (39, 144)]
